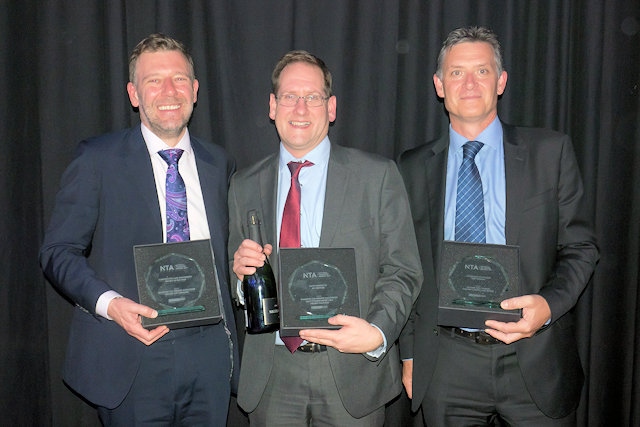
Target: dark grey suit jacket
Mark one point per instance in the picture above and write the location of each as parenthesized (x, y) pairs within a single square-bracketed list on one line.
[(107, 204), (365, 208), (547, 219)]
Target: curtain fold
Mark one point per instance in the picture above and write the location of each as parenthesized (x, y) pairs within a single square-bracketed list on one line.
[(573, 66)]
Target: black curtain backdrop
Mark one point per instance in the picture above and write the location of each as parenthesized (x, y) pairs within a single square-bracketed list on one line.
[(573, 66)]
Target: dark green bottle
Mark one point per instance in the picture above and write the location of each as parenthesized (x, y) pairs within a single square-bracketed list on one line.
[(260, 290)]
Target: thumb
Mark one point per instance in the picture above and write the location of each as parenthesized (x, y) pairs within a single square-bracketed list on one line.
[(338, 319), (513, 303), (148, 312)]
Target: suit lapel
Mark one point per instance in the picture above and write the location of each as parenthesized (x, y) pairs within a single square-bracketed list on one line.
[(337, 184), (268, 182), (515, 158), (209, 180), (138, 173), (436, 170)]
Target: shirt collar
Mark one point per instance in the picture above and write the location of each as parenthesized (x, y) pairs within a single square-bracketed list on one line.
[(155, 144), (491, 136), (318, 156)]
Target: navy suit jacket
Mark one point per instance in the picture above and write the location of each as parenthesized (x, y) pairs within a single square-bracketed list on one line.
[(547, 219), (107, 204)]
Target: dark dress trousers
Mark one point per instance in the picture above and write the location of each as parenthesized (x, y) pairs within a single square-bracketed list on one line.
[(365, 208), (547, 219), (107, 204)]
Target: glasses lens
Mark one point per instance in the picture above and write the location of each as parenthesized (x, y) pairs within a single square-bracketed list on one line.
[(313, 100), (290, 100)]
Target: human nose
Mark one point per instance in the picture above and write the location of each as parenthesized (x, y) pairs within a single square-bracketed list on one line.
[(168, 86), (470, 80), (301, 103)]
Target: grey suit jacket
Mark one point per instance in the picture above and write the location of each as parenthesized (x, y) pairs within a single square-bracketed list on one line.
[(107, 204), (547, 219), (366, 208)]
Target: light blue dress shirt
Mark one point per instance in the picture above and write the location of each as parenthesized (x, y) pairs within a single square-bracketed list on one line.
[(490, 163), (313, 185)]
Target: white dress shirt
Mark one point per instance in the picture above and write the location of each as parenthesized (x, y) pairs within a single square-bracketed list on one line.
[(196, 213)]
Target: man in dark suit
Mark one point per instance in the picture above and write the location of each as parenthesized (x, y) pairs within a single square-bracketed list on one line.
[(527, 373), (112, 197), (348, 199)]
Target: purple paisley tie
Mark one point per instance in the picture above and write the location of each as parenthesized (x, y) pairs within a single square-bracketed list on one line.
[(177, 221)]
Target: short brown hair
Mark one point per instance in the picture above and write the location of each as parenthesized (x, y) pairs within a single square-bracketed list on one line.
[(300, 56), (154, 43)]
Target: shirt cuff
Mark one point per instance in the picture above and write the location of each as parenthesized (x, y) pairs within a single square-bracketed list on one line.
[(103, 303), (380, 350)]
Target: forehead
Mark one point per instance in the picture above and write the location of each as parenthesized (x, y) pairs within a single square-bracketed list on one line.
[(301, 76), (469, 54), (161, 61)]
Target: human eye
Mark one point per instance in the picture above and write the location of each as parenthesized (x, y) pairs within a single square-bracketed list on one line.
[(312, 98)]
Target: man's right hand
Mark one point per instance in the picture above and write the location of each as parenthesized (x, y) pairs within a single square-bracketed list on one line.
[(407, 376), (126, 313), (249, 256)]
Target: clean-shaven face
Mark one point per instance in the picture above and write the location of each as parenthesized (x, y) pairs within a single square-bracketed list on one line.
[(470, 84), (302, 128)]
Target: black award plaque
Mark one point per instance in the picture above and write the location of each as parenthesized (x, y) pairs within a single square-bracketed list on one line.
[(473, 279), (316, 284), (180, 281)]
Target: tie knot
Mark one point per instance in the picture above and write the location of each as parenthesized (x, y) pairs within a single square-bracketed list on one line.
[(295, 167), (171, 156), (470, 149)]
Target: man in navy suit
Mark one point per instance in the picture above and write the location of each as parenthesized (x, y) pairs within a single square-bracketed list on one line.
[(527, 373), (112, 197)]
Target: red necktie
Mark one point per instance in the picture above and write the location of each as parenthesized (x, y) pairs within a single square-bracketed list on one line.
[(290, 228)]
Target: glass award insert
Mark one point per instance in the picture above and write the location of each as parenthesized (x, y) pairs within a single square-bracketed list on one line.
[(473, 279), (180, 281), (316, 284), (175, 282), (318, 288)]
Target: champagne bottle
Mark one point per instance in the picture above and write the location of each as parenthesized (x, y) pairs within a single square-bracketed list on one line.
[(260, 291)]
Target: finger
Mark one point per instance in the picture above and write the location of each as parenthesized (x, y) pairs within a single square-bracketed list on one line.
[(341, 319), (145, 311)]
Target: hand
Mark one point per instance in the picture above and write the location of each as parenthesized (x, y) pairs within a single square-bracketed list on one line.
[(407, 376), (249, 256), (126, 313), (356, 335), (535, 313)]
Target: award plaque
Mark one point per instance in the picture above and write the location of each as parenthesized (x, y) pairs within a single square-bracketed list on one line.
[(180, 281), (316, 284), (473, 279)]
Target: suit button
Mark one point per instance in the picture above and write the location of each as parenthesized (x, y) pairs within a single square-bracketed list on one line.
[(435, 331)]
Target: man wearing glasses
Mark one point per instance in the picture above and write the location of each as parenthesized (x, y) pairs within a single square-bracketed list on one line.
[(348, 199)]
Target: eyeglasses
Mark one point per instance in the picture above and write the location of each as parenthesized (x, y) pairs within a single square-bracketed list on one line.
[(291, 100)]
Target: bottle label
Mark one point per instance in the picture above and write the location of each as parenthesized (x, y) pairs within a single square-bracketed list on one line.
[(271, 311)]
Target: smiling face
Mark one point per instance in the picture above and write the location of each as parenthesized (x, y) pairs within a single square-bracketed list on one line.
[(470, 86), (165, 92), (302, 128)]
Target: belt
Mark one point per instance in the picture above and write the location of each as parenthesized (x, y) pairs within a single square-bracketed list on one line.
[(312, 347), (479, 337)]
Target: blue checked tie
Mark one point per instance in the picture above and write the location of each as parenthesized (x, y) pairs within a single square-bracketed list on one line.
[(470, 223), (177, 221)]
